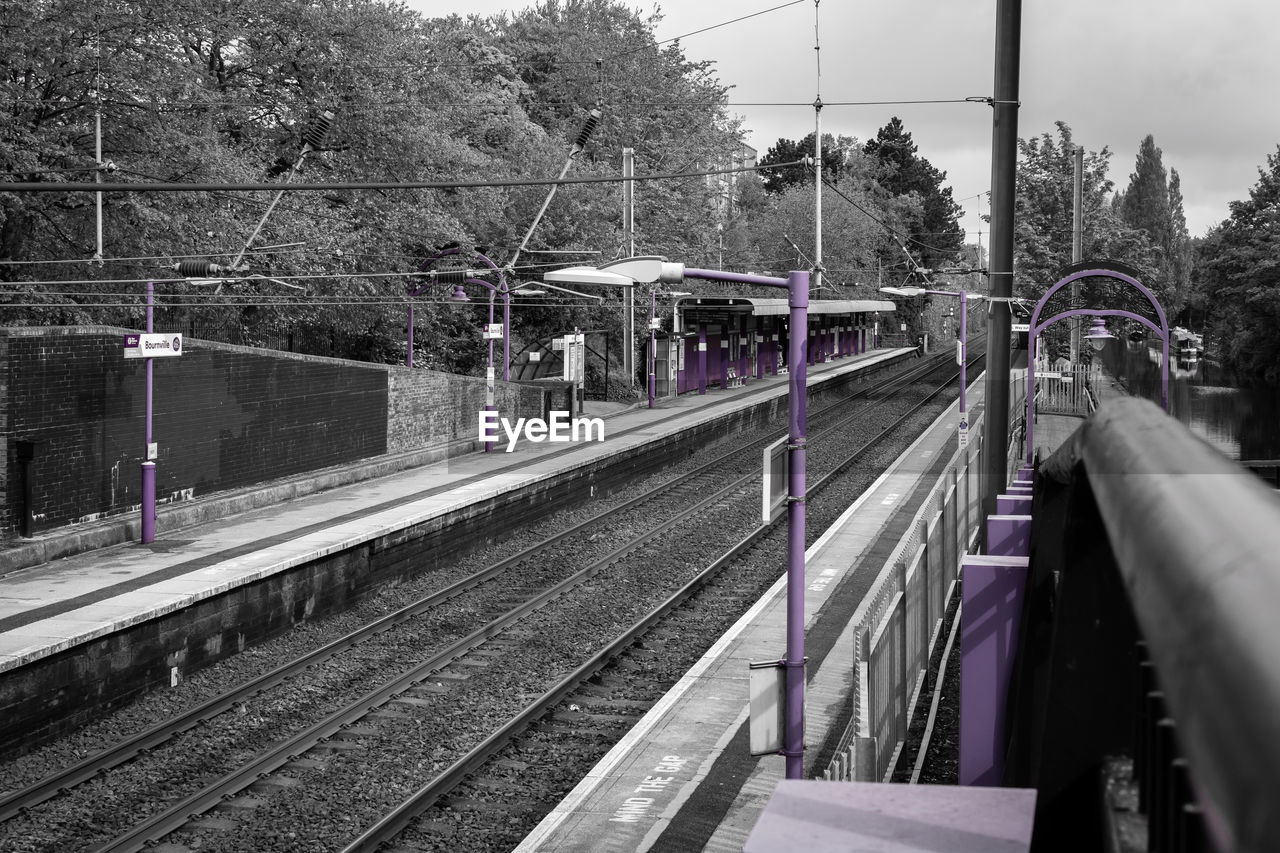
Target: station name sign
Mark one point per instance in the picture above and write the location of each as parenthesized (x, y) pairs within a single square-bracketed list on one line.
[(153, 345)]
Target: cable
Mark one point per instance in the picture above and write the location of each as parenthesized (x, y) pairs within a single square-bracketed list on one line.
[(51, 186), (907, 237)]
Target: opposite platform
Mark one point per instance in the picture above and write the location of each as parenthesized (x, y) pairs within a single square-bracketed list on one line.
[(58, 606)]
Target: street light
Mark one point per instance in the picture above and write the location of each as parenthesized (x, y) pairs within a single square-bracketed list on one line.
[(1098, 334)]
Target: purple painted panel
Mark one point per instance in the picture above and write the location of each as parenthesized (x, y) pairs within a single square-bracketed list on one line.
[(814, 815), (991, 609), (1025, 474), (1009, 535), (1013, 504)]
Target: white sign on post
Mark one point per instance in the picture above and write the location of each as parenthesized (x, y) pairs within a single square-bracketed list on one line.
[(575, 358), (152, 345), (776, 474), (492, 332), (765, 706), (964, 431), (488, 387)]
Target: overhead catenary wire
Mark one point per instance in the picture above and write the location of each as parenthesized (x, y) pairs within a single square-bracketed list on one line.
[(332, 186)]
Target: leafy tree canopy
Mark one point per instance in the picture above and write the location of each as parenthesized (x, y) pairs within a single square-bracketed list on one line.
[(1238, 270), (935, 236)]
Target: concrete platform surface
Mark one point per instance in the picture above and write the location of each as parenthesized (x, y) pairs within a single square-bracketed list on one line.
[(826, 817)]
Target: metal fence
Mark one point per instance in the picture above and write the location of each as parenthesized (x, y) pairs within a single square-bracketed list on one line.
[(1066, 390), (902, 619)]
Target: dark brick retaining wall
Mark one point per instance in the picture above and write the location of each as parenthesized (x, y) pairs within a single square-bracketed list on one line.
[(224, 417)]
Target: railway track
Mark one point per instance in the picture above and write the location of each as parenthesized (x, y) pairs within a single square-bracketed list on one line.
[(511, 609)]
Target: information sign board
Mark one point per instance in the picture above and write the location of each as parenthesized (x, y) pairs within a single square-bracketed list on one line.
[(575, 358), (163, 345)]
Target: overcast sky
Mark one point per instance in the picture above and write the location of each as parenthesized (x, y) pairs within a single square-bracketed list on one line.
[(1203, 78)]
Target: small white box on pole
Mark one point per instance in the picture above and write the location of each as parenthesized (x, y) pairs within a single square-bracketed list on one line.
[(766, 707), (777, 469)]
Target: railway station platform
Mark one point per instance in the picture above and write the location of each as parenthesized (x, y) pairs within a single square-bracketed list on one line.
[(103, 610), (683, 778)]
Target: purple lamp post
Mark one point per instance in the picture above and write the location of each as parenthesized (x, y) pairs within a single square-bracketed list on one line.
[(459, 295), (148, 464), (1088, 269), (797, 285)]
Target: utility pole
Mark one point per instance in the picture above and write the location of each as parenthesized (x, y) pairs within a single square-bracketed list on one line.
[(817, 155), (629, 231), (1077, 244), (1004, 162)]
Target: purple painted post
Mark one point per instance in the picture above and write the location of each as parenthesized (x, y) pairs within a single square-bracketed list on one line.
[(702, 358), (488, 374), (506, 332), (653, 343), (964, 351), (724, 358), (744, 348), (990, 613), (760, 354), (793, 740), (797, 284), (408, 359), (148, 466)]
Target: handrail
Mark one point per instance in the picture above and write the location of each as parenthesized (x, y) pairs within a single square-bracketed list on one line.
[(1195, 538)]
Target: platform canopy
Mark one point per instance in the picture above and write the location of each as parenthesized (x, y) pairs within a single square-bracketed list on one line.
[(779, 307)]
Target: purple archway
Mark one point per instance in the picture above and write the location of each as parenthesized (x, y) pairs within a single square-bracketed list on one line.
[(1092, 269)]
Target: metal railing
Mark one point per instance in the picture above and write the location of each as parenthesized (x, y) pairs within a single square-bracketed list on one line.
[(901, 621), (1195, 538)]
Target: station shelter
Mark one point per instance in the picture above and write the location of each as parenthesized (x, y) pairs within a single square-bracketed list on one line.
[(728, 341)]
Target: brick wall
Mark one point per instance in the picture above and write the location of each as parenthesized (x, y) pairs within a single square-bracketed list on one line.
[(224, 417), (425, 407)]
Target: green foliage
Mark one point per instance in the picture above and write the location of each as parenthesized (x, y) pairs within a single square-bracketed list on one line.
[(1153, 204), (936, 237), (223, 91), (1238, 269), (834, 154), (1043, 219)]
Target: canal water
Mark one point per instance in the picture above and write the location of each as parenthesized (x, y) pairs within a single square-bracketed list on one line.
[(1241, 421)]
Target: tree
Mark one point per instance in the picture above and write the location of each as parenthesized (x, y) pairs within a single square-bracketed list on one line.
[(834, 153), (1148, 204), (1042, 233), (1238, 267), (936, 237)]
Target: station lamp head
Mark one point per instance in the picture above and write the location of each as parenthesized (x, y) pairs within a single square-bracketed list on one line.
[(1098, 334), (459, 295)]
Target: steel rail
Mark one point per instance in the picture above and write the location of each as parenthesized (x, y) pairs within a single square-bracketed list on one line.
[(156, 736), (400, 818), (179, 813)]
